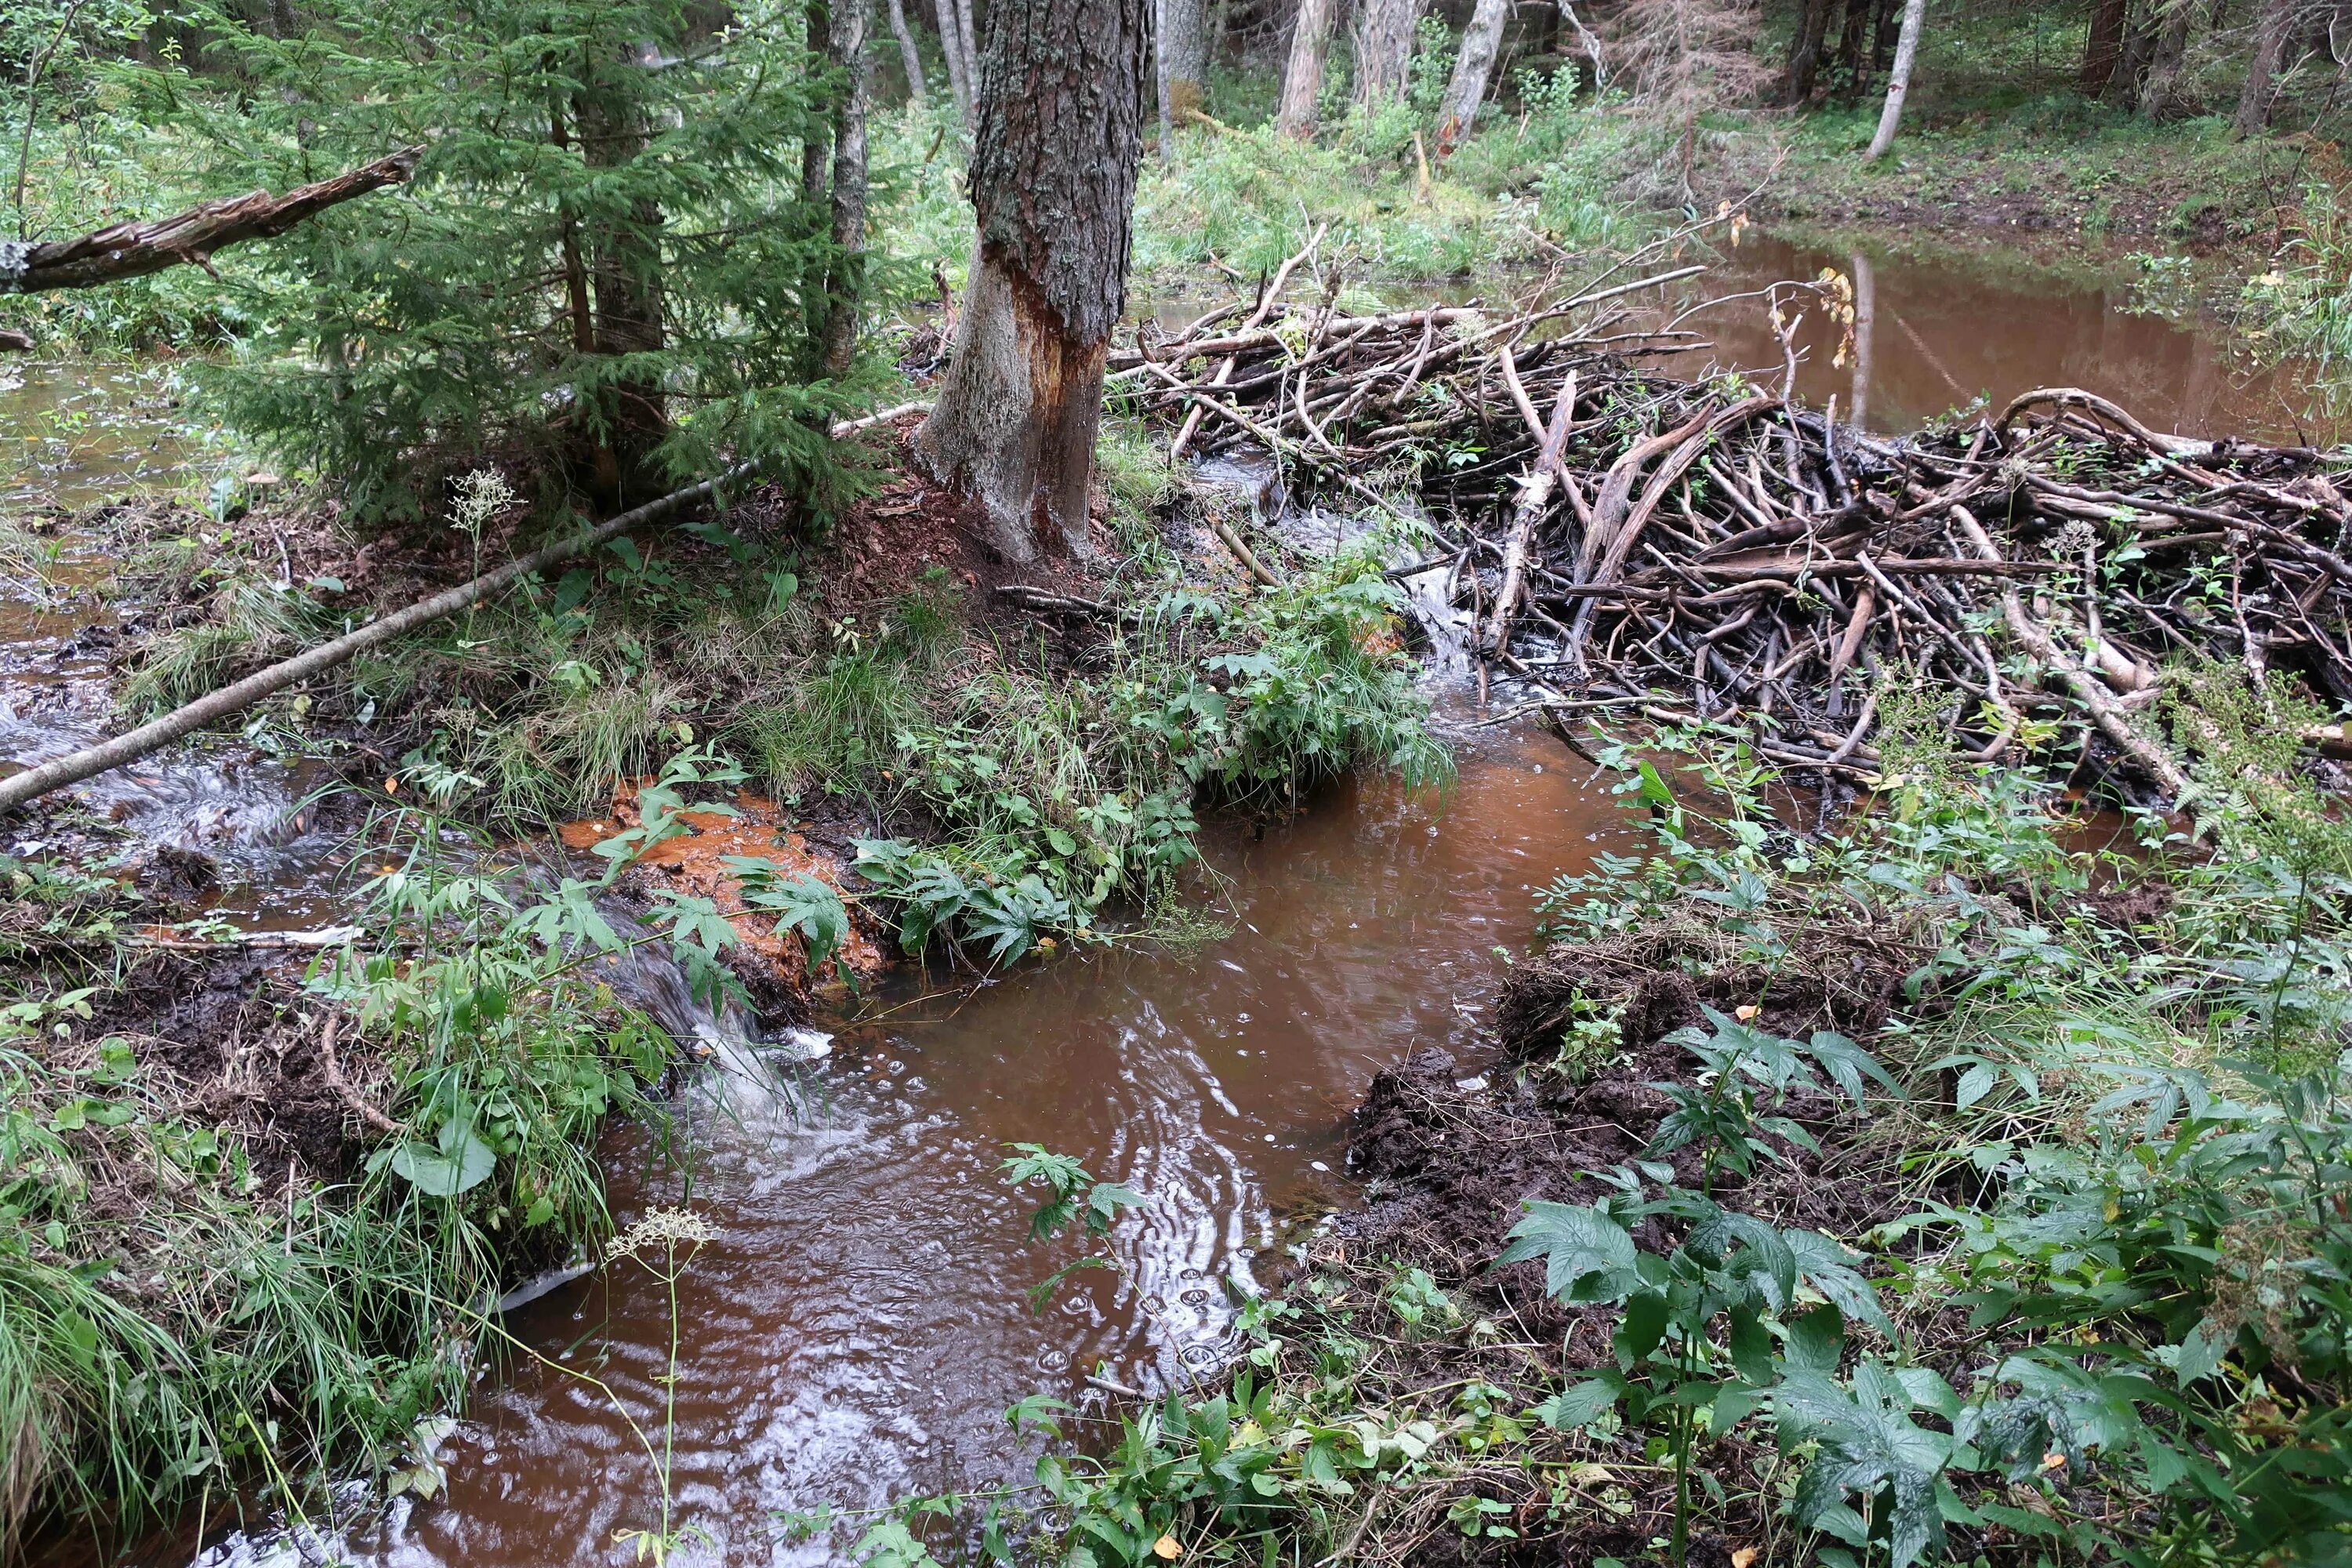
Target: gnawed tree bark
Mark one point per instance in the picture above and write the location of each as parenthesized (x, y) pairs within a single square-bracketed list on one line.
[(909, 57), (1052, 186), (1481, 42), (1302, 77), (1898, 80), (2262, 76), (1384, 33), (136, 250)]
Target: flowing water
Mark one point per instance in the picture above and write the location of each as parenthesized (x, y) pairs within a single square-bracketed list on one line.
[(859, 1327)]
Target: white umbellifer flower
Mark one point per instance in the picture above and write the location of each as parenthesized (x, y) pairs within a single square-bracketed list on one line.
[(662, 1227)]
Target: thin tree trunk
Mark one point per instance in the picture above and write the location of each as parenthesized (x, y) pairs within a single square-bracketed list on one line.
[(2102, 45), (1384, 35), (909, 57), (845, 279), (1899, 83), (1183, 48), (1805, 51), (1481, 43), (33, 73), (1302, 79), (968, 34), (951, 43), (816, 148), (1849, 53), (1052, 186), (2262, 76)]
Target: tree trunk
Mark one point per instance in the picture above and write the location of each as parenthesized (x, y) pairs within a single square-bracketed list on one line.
[(1849, 53), (1052, 186), (1183, 48), (2262, 77), (951, 43), (1805, 50), (968, 37), (2102, 45), (909, 57), (2160, 96), (845, 279), (1481, 43), (1384, 35), (1302, 80), (1885, 34), (1865, 328), (135, 249), (816, 149), (1898, 81), (624, 275)]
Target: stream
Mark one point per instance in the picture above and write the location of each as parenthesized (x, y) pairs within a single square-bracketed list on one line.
[(859, 1328)]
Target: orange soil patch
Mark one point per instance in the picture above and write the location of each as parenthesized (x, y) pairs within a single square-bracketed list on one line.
[(692, 863)]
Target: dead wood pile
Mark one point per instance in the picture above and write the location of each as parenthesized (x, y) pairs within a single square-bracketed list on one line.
[(1621, 538)]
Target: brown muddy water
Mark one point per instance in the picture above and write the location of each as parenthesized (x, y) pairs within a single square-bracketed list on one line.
[(859, 1327)]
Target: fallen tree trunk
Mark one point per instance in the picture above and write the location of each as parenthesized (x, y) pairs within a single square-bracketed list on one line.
[(108, 756), (135, 249)]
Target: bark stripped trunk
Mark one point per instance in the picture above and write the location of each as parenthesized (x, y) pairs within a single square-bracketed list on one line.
[(2262, 76), (1898, 81), (844, 284), (1302, 79), (909, 57), (1052, 185), (1384, 33), (1481, 44), (135, 249), (2102, 45)]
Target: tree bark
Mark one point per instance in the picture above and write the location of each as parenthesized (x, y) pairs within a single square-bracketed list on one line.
[(2262, 76), (1183, 48), (816, 148), (2102, 45), (1052, 186), (1302, 79), (1805, 51), (909, 57), (135, 249), (1865, 328), (845, 279), (2159, 95), (968, 39), (624, 276), (952, 44), (1849, 53), (1481, 42), (1384, 35), (1898, 80)]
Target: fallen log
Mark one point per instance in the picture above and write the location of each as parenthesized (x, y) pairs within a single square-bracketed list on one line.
[(108, 756), (134, 249)]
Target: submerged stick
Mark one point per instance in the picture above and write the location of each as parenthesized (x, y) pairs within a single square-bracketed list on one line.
[(155, 734)]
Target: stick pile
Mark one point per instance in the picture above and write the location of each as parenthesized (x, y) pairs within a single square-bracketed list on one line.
[(1621, 538)]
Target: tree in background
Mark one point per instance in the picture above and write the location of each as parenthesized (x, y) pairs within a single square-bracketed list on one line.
[(1181, 45), (1385, 32), (1899, 82), (1052, 185), (1302, 76), (910, 57), (1481, 42), (606, 270)]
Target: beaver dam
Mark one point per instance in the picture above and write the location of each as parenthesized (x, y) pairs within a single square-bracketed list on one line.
[(1676, 551)]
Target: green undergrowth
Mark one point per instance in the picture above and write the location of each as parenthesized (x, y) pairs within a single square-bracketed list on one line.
[(1025, 785), (225, 1275), (2102, 1319)]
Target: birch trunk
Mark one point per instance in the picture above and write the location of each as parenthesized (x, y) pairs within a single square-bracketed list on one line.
[(1384, 32), (845, 279), (1898, 80), (1052, 186), (909, 57), (952, 44), (1481, 44)]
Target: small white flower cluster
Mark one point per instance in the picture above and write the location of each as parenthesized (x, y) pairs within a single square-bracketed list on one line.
[(668, 1229)]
